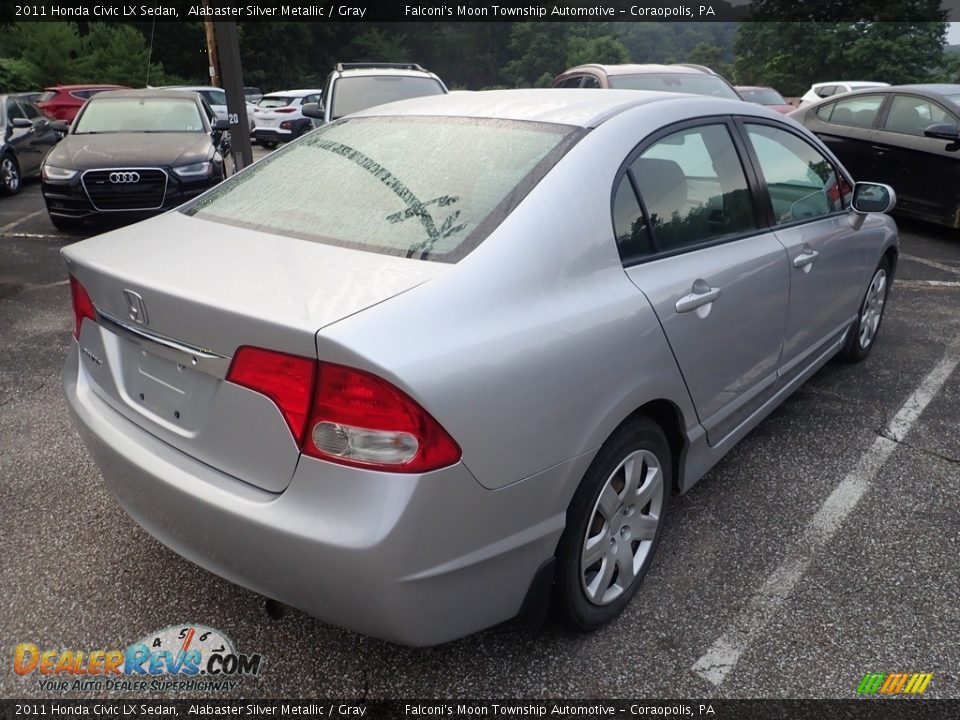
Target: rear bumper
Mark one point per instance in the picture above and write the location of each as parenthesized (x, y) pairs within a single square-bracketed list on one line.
[(414, 559)]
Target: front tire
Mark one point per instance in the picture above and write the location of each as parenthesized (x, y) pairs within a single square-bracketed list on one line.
[(10, 179), (863, 334), (614, 524)]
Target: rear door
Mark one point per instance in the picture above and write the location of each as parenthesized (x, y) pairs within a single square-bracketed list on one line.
[(849, 128), (914, 159), (22, 139), (717, 280)]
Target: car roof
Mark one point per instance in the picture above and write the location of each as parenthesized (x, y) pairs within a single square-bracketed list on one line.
[(292, 93), (753, 87), (578, 107), (938, 88), (640, 69), (82, 87), (367, 69), (148, 93), (853, 83)]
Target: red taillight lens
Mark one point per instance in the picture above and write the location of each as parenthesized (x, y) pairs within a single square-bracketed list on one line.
[(357, 418), (285, 379), (82, 306), (284, 110), (286, 125), (361, 420)]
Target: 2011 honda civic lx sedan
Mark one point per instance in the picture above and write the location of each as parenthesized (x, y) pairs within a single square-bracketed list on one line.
[(435, 363)]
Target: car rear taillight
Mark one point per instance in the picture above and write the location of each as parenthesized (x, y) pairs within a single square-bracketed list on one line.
[(285, 110), (285, 379), (82, 305), (286, 125), (362, 420), (355, 418)]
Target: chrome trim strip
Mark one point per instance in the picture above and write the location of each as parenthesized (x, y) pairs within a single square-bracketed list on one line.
[(205, 361), (163, 198)]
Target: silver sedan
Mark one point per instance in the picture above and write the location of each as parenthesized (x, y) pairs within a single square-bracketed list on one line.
[(436, 364)]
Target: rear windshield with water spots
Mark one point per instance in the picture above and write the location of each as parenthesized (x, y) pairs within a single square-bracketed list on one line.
[(421, 187)]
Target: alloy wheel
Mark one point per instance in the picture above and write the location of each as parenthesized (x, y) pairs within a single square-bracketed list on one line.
[(872, 310), (622, 528), (9, 175)]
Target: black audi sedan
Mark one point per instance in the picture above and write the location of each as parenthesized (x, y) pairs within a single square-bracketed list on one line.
[(131, 154), (906, 136), (26, 136)]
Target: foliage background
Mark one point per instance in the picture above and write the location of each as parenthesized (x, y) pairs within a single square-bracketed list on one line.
[(786, 44)]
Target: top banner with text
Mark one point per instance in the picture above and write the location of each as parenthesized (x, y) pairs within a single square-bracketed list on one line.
[(468, 10)]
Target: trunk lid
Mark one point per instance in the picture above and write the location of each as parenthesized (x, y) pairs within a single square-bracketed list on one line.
[(178, 295)]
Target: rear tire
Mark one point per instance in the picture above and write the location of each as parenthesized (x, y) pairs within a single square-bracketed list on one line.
[(863, 333), (11, 181), (269, 144), (614, 524)]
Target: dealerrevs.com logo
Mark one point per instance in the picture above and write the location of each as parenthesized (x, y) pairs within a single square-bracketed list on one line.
[(894, 683), (180, 657)]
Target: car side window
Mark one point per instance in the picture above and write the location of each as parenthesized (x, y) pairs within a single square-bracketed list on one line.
[(629, 224), (860, 111), (912, 115), (826, 91), (589, 81), (694, 188), (14, 111), (30, 110), (801, 182), (572, 82)]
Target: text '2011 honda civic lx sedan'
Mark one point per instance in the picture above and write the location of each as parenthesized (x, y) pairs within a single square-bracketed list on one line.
[(434, 363)]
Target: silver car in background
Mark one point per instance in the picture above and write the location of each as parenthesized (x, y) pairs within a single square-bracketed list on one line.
[(459, 367)]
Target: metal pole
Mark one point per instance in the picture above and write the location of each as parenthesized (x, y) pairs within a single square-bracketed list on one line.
[(232, 76), (211, 50)]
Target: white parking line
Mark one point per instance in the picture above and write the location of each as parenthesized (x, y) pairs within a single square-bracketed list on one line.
[(915, 284), (722, 656), (10, 226), (931, 263)]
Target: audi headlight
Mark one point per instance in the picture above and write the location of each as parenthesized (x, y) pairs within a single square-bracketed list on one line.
[(55, 173), (195, 170)]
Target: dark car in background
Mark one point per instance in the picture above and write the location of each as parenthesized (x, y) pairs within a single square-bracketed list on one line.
[(133, 153), (906, 136), (63, 102), (26, 136), (678, 78), (766, 96)]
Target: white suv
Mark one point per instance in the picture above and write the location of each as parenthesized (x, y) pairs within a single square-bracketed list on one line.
[(352, 87), (819, 91), (279, 116)]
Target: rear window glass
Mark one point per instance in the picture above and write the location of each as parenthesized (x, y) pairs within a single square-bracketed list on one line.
[(692, 83), (352, 94), (763, 97), (47, 96), (426, 188), (275, 101)]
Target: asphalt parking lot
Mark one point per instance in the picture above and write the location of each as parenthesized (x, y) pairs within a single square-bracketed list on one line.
[(825, 546)]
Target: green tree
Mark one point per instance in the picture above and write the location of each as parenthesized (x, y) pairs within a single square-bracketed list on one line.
[(117, 53), (47, 51), (880, 41), (604, 49)]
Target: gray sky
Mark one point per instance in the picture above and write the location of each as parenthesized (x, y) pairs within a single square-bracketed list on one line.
[(953, 33)]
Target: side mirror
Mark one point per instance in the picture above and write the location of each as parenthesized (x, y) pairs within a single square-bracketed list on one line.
[(871, 198), (313, 110), (219, 125), (21, 123), (60, 126), (943, 131)]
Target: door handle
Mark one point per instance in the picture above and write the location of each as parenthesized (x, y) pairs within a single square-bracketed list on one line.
[(805, 258), (702, 295)]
